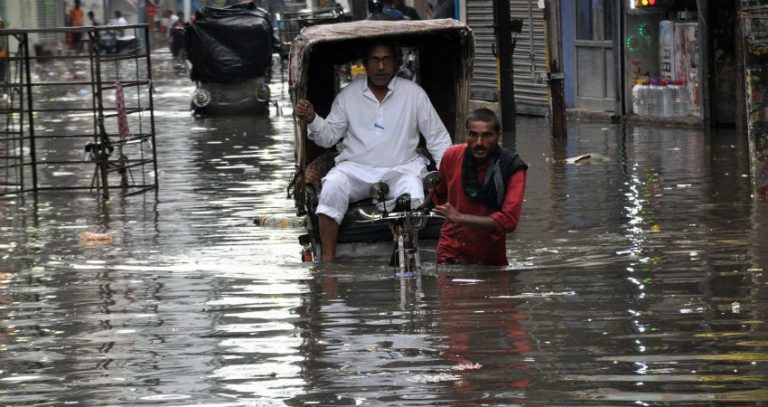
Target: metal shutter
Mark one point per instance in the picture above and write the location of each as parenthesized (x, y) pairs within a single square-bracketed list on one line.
[(529, 60), (484, 76), (530, 65)]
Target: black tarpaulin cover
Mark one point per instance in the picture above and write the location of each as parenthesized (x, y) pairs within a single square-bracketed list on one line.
[(229, 45)]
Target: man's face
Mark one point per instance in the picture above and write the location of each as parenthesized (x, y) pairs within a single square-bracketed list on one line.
[(380, 65), (481, 139)]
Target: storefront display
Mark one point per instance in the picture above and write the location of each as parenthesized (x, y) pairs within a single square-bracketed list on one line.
[(662, 59)]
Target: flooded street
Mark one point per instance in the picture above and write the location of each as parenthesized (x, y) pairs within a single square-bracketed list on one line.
[(637, 277)]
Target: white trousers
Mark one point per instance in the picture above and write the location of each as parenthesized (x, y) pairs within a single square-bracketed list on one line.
[(350, 182)]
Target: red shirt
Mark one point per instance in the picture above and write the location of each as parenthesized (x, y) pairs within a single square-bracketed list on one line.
[(467, 245)]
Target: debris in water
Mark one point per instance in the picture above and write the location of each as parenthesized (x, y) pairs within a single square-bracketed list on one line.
[(735, 307), (278, 222), (587, 158), (577, 159), (467, 366), (97, 237), (538, 294)]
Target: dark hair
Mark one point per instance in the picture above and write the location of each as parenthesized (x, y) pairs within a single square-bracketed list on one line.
[(484, 115), (379, 42)]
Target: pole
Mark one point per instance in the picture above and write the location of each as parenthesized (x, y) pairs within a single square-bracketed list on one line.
[(504, 49), (618, 62), (30, 113), (141, 11), (555, 65)]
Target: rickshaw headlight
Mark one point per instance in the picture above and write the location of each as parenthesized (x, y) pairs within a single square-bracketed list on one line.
[(201, 98), (262, 92)]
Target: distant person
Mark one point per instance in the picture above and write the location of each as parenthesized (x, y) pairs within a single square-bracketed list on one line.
[(95, 23), (176, 33), (92, 18), (172, 20), (119, 18), (165, 22), (409, 12), (151, 12), (76, 18), (480, 194), (384, 10)]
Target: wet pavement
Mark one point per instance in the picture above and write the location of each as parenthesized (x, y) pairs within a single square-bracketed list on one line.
[(637, 278)]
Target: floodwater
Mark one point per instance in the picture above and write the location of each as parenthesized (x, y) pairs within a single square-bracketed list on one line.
[(636, 278)]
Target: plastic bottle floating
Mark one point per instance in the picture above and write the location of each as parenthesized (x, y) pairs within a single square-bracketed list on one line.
[(279, 222)]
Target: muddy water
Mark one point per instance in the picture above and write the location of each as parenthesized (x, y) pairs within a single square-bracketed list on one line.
[(637, 278)]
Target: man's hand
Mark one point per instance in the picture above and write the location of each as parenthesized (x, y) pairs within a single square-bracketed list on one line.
[(304, 110), (449, 212), (478, 222)]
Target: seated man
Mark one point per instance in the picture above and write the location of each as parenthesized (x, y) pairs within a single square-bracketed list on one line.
[(379, 119), (480, 194)]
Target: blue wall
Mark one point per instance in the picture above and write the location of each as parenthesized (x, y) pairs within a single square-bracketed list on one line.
[(568, 28)]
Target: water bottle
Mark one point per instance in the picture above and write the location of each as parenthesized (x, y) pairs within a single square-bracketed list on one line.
[(278, 222), (667, 102), (640, 99), (654, 100), (636, 101), (679, 99)]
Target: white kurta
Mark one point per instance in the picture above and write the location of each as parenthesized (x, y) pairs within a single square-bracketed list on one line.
[(381, 134), (379, 142)]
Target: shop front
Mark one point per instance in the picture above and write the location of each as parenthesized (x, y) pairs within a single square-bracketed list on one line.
[(663, 56), (651, 58)]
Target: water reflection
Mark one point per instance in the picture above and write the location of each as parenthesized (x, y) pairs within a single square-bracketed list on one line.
[(637, 278)]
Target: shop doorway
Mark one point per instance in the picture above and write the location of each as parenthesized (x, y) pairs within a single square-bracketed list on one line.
[(593, 55)]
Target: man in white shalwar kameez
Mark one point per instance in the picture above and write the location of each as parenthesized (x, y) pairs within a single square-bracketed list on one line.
[(379, 118)]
